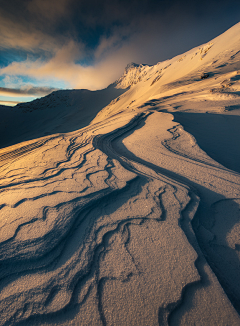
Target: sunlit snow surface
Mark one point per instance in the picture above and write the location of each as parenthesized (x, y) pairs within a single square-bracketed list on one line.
[(127, 221)]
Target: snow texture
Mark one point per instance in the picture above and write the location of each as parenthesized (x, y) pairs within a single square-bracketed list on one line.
[(121, 206)]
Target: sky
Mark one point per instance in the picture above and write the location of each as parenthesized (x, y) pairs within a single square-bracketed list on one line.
[(67, 44)]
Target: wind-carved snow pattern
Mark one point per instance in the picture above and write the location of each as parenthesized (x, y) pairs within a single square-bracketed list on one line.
[(127, 221), (71, 234)]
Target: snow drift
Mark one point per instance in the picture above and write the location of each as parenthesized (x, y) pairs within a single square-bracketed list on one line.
[(126, 221)]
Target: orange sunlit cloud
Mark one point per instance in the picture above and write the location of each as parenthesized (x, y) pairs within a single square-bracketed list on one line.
[(63, 67), (45, 41), (9, 103), (27, 90)]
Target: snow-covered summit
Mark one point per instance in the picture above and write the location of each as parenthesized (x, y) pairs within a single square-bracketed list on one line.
[(133, 73), (211, 71)]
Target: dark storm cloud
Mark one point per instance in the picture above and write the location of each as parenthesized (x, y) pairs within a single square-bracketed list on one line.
[(87, 43), (44, 24)]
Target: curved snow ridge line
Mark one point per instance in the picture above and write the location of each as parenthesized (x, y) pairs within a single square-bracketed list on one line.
[(107, 182), (33, 252), (50, 301), (50, 173), (175, 135), (84, 274), (222, 250), (85, 200), (165, 218), (94, 195), (16, 153), (106, 144), (71, 279), (110, 144), (100, 281), (82, 193), (28, 244), (70, 152), (74, 145)]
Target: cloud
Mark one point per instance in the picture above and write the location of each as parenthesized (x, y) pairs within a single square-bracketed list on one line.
[(27, 90), (73, 74), (50, 10), (63, 66), (48, 25), (18, 35), (105, 34), (9, 103), (33, 25)]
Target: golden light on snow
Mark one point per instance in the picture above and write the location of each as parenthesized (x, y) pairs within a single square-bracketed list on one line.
[(110, 212)]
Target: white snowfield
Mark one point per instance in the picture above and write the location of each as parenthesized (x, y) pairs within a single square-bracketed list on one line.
[(134, 219)]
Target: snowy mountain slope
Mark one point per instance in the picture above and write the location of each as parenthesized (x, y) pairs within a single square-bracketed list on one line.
[(127, 221), (184, 74), (60, 111), (204, 79)]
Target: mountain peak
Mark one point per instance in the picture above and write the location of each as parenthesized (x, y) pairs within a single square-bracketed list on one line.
[(133, 73), (131, 65)]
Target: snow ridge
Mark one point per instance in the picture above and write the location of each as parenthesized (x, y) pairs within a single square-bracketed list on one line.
[(126, 221)]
